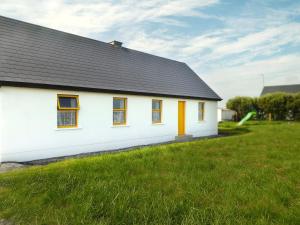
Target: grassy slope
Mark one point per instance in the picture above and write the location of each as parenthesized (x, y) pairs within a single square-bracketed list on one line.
[(250, 178)]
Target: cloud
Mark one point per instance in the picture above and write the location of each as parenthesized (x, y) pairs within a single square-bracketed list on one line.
[(84, 17), (207, 48), (269, 38), (246, 79)]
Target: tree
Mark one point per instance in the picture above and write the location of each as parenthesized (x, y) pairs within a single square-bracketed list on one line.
[(293, 106), (277, 106), (242, 105), (256, 107), (280, 106)]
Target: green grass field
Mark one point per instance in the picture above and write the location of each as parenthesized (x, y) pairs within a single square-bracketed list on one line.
[(251, 177)]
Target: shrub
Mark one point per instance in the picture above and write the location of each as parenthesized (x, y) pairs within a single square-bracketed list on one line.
[(275, 104), (280, 105), (242, 105), (256, 107), (293, 106)]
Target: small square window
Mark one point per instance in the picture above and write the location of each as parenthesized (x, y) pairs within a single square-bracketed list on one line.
[(65, 102), (68, 102), (119, 117), (119, 103), (66, 118)]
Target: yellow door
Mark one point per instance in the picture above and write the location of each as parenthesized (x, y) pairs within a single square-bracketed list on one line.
[(181, 118)]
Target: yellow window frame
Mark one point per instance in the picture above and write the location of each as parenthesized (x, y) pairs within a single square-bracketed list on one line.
[(157, 110), (202, 111), (121, 110), (59, 108), (67, 96)]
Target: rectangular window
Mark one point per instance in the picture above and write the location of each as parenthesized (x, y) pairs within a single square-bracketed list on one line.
[(67, 111), (156, 111), (201, 106), (119, 111)]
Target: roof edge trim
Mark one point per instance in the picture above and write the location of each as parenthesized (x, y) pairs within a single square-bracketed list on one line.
[(76, 88)]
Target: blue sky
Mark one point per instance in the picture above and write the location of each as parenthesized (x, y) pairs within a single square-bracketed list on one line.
[(228, 43)]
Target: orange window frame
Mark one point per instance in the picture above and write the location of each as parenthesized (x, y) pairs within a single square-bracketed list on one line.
[(121, 110), (202, 110), (157, 110), (76, 109)]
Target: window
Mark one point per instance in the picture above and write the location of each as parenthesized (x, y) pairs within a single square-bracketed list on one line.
[(119, 111), (201, 111), (156, 111), (67, 111)]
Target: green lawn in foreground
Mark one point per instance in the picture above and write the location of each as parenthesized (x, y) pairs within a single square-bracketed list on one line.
[(252, 177)]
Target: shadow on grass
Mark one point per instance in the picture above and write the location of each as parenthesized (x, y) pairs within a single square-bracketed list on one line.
[(262, 122), (232, 129)]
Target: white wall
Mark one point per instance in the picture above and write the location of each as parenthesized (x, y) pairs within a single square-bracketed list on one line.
[(1, 124), (220, 114), (29, 118), (228, 114)]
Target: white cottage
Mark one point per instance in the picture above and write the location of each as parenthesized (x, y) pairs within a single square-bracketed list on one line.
[(62, 94)]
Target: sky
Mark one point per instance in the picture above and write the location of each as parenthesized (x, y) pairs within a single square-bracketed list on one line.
[(230, 44)]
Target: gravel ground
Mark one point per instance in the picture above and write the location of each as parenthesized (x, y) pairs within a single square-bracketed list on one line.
[(4, 167), (5, 222)]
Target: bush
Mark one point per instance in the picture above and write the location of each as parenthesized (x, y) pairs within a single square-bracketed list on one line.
[(256, 107), (293, 106), (276, 104), (242, 105), (281, 106)]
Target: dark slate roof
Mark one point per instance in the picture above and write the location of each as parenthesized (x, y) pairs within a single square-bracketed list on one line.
[(39, 56), (293, 88)]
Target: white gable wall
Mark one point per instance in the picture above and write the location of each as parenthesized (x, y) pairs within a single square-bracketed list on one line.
[(1, 124), (29, 118)]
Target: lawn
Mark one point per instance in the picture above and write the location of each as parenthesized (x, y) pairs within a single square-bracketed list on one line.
[(250, 177)]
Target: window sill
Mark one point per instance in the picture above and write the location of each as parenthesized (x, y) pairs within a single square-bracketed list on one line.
[(120, 126), (68, 128), (157, 124)]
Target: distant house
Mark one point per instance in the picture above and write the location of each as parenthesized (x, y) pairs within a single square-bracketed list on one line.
[(293, 88), (225, 114), (62, 94)]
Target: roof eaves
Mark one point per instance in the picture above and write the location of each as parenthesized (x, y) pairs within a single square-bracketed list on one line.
[(77, 88)]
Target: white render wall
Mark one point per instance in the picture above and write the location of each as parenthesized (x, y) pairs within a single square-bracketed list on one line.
[(29, 123), (1, 125), (219, 114)]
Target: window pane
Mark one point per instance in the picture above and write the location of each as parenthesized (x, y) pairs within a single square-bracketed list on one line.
[(200, 106), (119, 103), (68, 102), (156, 116), (200, 116), (119, 117), (66, 118), (155, 104), (201, 110)]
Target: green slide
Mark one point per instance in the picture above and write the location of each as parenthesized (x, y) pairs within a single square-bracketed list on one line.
[(247, 117)]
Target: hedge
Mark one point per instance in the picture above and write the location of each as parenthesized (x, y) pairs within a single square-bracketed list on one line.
[(280, 106)]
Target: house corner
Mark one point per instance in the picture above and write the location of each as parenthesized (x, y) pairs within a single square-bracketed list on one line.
[(1, 125)]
